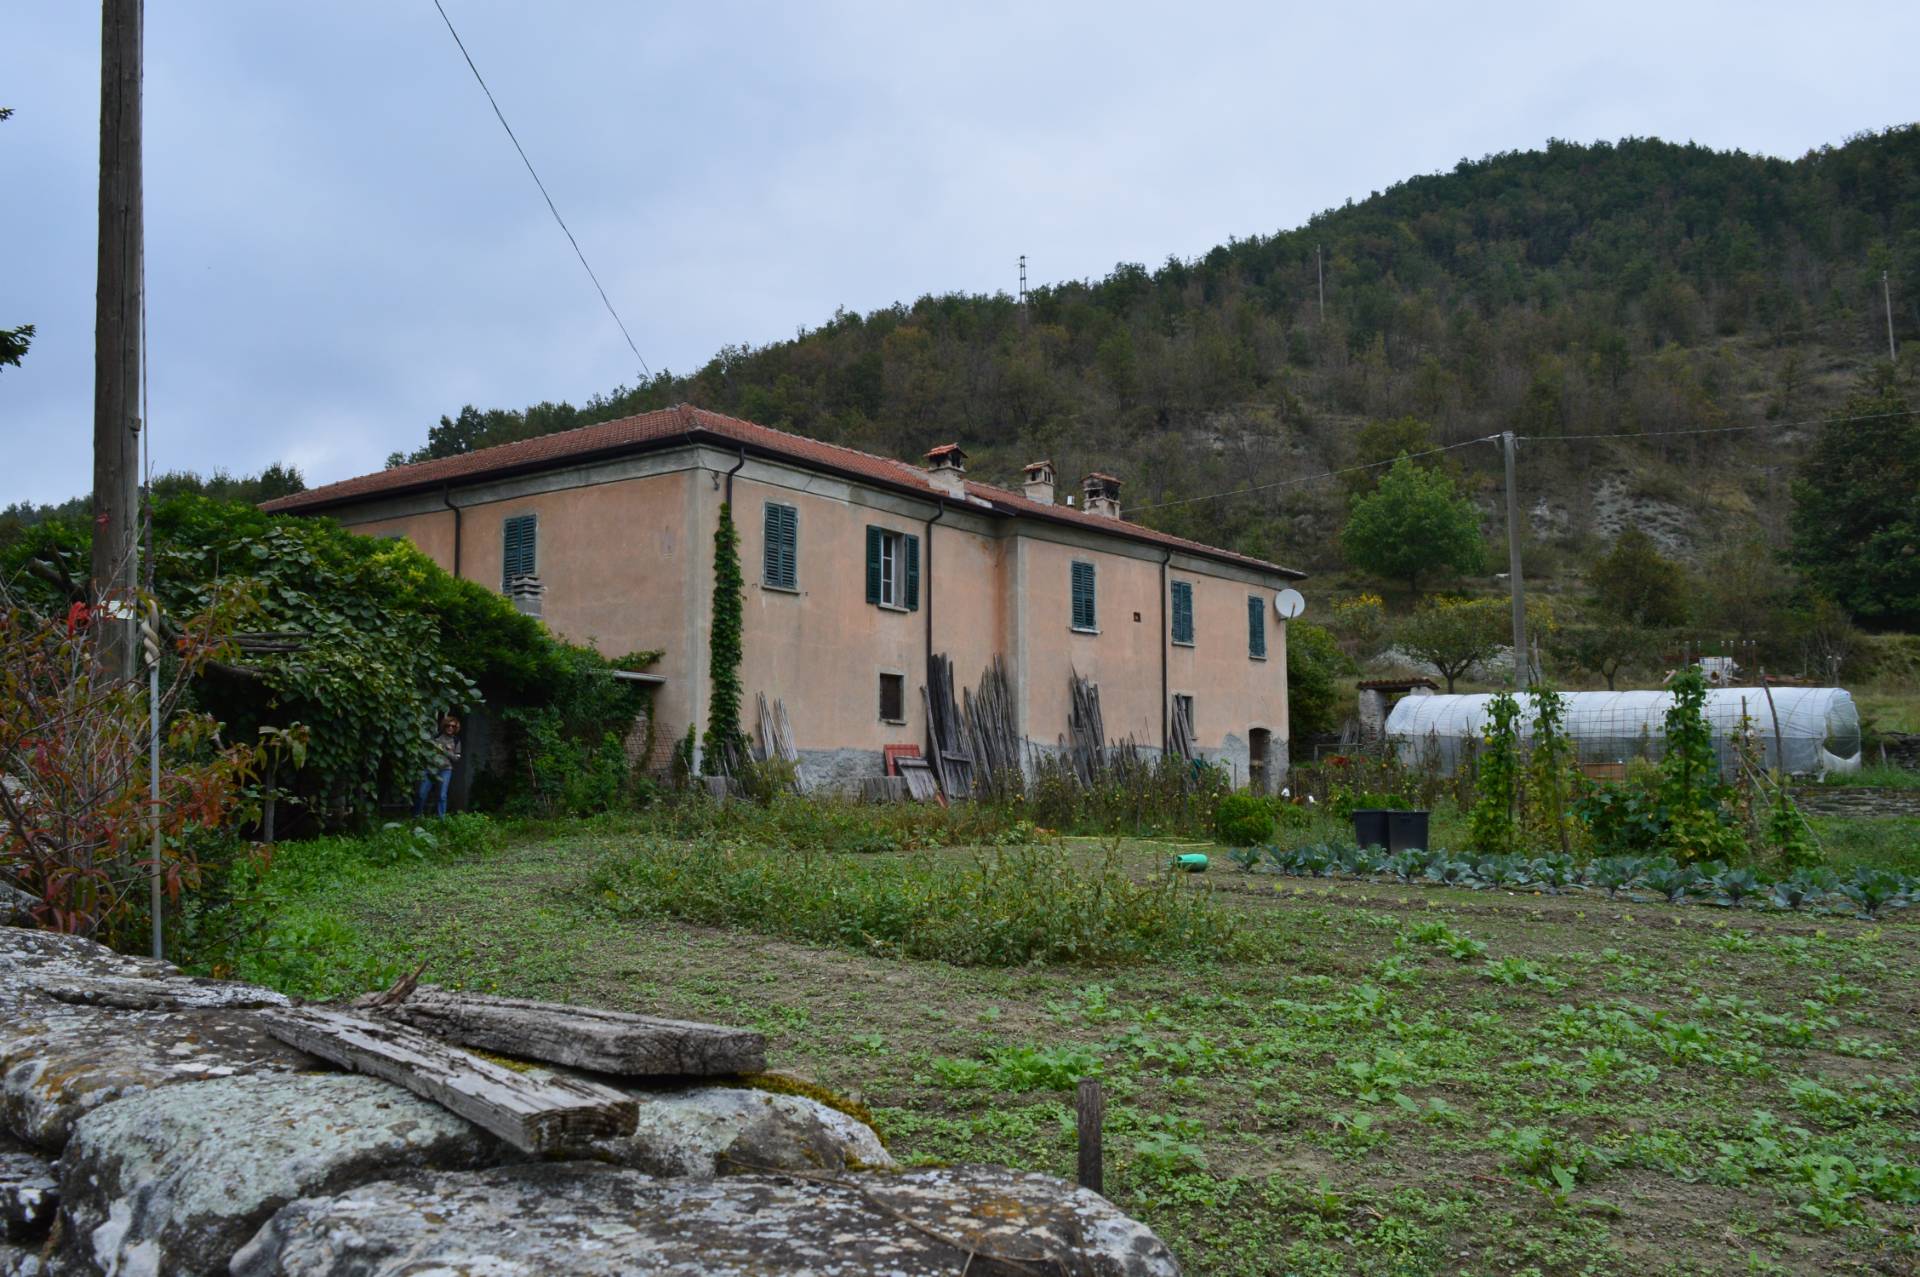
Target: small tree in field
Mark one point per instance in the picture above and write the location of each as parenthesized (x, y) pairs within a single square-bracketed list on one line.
[(1454, 635), (1413, 525)]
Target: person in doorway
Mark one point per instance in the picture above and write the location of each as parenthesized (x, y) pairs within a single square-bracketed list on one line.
[(446, 753)]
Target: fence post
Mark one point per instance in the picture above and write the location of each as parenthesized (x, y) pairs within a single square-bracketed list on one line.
[(1090, 1108)]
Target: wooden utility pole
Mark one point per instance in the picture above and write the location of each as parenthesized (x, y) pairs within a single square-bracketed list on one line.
[(116, 332), (1522, 671)]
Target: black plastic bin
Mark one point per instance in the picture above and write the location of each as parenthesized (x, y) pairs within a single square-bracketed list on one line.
[(1370, 826), (1407, 830)]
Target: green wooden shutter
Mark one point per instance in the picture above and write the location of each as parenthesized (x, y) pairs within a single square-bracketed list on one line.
[(1183, 611), (913, 573), (790, 547), (780, 554), (1085, 614), (1256, 626), (873, 564), (517, 548)]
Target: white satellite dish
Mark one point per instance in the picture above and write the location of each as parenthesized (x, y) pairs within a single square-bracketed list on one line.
[(1289, 604)]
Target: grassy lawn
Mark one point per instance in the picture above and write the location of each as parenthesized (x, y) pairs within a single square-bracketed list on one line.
[(1392, 1080)]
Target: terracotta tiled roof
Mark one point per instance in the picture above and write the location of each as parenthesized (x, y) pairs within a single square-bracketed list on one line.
[(668, 426)]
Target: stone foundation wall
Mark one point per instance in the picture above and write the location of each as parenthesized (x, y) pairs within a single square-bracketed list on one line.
[(149, 1124)]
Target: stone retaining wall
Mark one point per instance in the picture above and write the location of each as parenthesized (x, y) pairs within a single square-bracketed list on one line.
[(150, 1125)]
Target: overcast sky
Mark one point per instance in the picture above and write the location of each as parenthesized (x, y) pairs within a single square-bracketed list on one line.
[(341, 244)]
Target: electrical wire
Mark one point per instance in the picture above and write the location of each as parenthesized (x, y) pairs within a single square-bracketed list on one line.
[(551, 208), (1719, 430)]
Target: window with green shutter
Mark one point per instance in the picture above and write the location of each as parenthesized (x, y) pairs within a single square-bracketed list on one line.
[(1256, 627), (1085, 615), (517, 537), (1183, 612), (893, 569), (780, 569)]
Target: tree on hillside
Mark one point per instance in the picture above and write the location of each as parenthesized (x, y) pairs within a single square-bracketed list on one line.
[(1637, 585), (1414, 524), (1856, 506), (1383, 440), (1454, 635)]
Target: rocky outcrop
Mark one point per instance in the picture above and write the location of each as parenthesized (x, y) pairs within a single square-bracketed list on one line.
[(598, 1221), (177, 1179)]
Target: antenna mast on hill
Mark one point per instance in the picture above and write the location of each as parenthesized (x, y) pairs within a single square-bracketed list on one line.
[(1886, 291), (1320, 278), (1023, 290)]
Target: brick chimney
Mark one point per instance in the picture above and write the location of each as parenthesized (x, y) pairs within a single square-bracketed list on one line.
[(1103, 494), (947, 468), (1039, 483)]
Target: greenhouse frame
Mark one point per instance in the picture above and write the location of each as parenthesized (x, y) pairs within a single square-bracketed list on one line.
[(1808, 731)]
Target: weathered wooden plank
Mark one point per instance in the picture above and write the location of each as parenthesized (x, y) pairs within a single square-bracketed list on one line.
[(535, 1114), (583, 1037)]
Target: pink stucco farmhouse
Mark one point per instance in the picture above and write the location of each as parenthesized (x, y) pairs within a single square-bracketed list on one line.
[(858, 567)]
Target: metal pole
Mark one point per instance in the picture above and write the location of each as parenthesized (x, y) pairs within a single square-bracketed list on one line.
[(152, 646), (1522, 676), (1886, 291), (1320, 277)]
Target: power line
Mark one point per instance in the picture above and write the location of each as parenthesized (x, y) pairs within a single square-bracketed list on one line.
[(1719, 430), (543, 187)]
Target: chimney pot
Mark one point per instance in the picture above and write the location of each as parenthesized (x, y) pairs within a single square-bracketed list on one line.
[(1039, 482), (1102, 493), (947, 469)]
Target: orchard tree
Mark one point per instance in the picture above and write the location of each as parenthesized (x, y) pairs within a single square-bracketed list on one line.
[(1413, 525), (1603, 649), (1856, 506), (1454, 635)]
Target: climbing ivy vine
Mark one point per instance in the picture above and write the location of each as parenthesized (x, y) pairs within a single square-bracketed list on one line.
[(724, 746)]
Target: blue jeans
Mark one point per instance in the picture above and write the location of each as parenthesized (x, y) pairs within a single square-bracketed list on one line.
[(443, 778)]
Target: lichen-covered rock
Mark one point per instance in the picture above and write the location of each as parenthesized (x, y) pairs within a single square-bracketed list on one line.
[(37, 965), (28, 1194), (28, 957), (594, 1220), (721, 1130), (175, 1180), (58, 1061)]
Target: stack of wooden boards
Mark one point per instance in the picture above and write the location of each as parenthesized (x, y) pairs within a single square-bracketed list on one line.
[(408, 1037)]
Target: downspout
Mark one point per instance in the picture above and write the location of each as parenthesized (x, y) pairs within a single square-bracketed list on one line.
[(926, 577), (733, 472), (446, 496), (1166, 704)]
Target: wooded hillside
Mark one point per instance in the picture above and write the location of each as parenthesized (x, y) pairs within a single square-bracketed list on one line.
[(1632, 287)]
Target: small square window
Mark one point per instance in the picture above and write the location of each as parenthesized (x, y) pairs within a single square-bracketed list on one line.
[(893, 698)]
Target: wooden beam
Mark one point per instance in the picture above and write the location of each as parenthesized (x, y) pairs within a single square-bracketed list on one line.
[(583, 1037), (534, 1114)]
